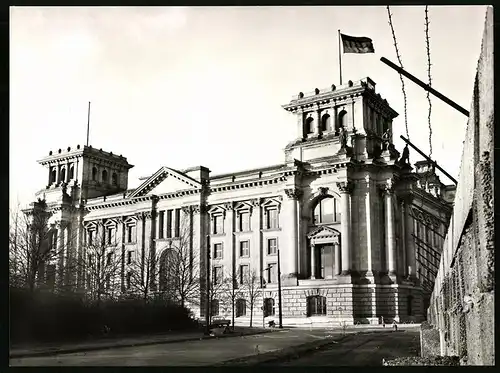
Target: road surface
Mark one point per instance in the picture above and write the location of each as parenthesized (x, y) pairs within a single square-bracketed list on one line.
[(365, 349)]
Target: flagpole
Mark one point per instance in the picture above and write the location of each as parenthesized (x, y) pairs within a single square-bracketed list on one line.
[(340, 58), (88, 124)]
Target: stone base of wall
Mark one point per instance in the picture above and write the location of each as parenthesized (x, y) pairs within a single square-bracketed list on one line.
[(346, 303), (429, 341)]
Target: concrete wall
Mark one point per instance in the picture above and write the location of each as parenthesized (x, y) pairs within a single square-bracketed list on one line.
[(462, 303)]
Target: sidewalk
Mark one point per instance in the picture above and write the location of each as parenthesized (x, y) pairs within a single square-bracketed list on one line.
[(130, 341)]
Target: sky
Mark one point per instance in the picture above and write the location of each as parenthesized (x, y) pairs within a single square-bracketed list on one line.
[(187, 86)]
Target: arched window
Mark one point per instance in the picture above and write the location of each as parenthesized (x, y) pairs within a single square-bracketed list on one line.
[(341, 120), (114, 178), (326, 211), (310, 125), (241, 307), (269, 307), (168, 278), (71, 172), (94, 173), (316, 305), (53, 175), (214, 307), (326, 123), (63, 175), (104, 176)]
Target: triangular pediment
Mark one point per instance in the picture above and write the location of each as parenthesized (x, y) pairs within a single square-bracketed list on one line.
[(163, 181), (324, 233)]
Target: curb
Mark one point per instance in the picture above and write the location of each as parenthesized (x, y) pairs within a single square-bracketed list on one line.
[(136, 344)]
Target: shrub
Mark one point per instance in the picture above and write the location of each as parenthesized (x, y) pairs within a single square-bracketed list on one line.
[(45, 316)]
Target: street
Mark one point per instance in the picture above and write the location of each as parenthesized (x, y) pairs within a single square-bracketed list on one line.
[(354, 350), (364, 349)]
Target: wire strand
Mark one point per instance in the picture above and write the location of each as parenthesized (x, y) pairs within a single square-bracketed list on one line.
[(429, 76), (400, 64)]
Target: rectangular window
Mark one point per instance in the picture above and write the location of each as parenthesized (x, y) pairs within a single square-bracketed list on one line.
[(169, 224), (217, 275), (245, 248), (244, 221), (130, 233), (218, 251), (109, 259), (177, 222), (218, 221), (272, 273), (161, 223), (108, 282), (244, 273), (50, 275), (111, 235), (272, 218), (129, 257), (129, 279), (272, 246), (90, 240)]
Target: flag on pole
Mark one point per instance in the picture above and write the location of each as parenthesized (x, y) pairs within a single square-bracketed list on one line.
[(353, 44)]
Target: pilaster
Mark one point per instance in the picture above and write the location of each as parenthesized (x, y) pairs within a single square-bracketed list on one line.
[(346, 189), (388, 190), (291, 259)]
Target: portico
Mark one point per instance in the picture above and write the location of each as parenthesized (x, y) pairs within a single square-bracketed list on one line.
[(324, 253)]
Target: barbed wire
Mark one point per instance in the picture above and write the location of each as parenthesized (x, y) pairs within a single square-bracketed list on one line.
[(401, 65), (430, 77)]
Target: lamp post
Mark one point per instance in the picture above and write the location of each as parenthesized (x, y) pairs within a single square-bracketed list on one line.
[(279, 291), (207, 300)]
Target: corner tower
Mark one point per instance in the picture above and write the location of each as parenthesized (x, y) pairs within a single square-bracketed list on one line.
[(84, 172), (321, 114)]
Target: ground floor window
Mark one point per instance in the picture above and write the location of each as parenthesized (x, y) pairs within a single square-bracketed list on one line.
[(214, 307), (316, 305), (269, 307), (241, 307)]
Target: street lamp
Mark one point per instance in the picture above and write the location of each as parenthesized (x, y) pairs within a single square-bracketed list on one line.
[(207, 300)]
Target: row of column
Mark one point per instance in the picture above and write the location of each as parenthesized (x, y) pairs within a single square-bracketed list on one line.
[(343, 254), (58, 168)]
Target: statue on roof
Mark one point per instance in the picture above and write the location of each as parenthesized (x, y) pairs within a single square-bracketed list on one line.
[(405, 157), (343, 137), (386, 137)]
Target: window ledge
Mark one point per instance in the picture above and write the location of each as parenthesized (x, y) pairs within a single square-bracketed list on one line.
[(130, 243), (242, 232), (270, 230), (217, 235)]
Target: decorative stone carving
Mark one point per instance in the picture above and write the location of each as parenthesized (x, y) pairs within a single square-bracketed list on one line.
[(229, 206), (187, 209), (345, 187), (293, 193), (322, 191), (388, 187), (148, 214), (405, 157), (256, 202)]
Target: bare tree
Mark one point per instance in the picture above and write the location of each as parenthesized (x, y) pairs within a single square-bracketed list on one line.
[(234, 290), (180, 267), (252, 282), (100, 264), (141, 272), (33, 247)]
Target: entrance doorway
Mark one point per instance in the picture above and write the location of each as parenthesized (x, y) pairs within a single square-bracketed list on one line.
[(325, 262)]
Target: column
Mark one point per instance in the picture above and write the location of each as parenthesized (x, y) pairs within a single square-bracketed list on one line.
[(313, 261), (389, 227), (336, 248), (58, 173), (403, 237), (410, 240), (256, 261), (300, 123), (67, 172), (369, 223), (50, 174), (335, 119), (345, 220), (315, 115), (291, 257), (68, 265), (60, 252), (79, 254)]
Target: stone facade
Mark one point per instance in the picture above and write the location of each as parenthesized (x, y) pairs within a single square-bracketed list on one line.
[(462, 306), (342, 211)]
